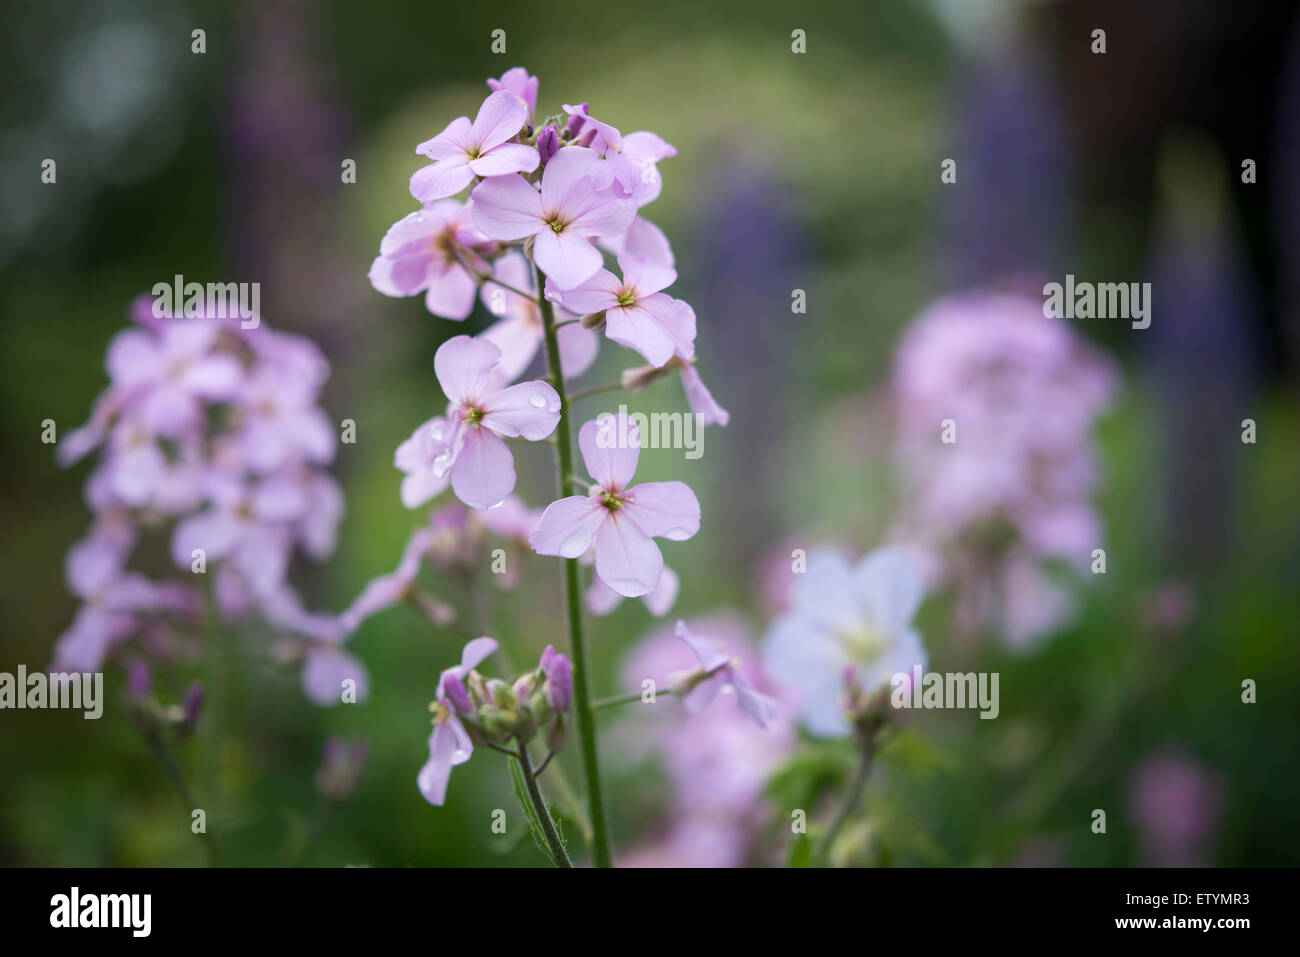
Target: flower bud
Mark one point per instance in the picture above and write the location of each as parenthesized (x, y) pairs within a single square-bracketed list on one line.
[(556, 733), (137, 681), (500, 694), (595, 322), (575, 122), (457, 694), (637, 378), (548, 144), (477, 690)]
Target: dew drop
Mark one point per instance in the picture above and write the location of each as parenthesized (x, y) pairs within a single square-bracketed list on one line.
[(537, 400), (554, 406), (677, 534)]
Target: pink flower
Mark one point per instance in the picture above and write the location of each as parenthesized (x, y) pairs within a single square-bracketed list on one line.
[(480, 413), (419, 253), (573, 205), (424, 459), (637, 314), (170, 374), (464, 150), (519, 332), (700, 398), (720, 673), (449, 744), (518, 81), (622, 522)]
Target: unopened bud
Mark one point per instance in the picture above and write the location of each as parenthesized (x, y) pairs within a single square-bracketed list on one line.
[(548, 144), (457, 694), (638, 377), (595, 322)]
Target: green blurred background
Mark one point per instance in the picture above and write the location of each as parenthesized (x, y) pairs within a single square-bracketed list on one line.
[(817, 171)]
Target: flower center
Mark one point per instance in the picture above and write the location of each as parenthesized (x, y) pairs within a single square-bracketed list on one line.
[(611, 500), (439, 711), (864, 645), (627, 296), (557, 225), (472, 415)]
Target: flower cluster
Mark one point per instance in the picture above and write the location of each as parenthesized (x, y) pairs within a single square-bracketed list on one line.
[(540, 219), (212, 432), (469, 710), (1010, 486)]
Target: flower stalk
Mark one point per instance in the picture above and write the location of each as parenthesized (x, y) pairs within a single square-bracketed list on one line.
[(581, 690)]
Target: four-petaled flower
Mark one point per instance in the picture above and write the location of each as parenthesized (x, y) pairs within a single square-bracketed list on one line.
[(573, 205), (432, 250), (464, 150), (468, 442), (621, 521), (637, 314)]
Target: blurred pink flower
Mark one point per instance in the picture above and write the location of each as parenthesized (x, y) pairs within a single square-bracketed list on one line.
[(1175, 802), (464, 150)]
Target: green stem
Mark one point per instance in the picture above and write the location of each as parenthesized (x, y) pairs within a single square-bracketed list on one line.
[(632, 697), (558, 853), (581, 672), (168, 761), (851, 798)]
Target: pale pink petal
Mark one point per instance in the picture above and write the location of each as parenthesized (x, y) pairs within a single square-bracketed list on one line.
[(454, 140), (464, 366), (518, 338), (507, 207), (578, 349), (610, 446), (594, 213), (565, 257), (447, 748), (601, 599), (484, 473), (500, 118), (474, 652), (441, 179), (640, 328), (568, 526), (506, 159), (627, 560), (644, 240), (421, 486), (663, 509), (325, 671), (708, 652), (701, 399), (644, 276), (451, 294), (596, 294), (566, 169), (214, 531), (529, 409), (660, 601)]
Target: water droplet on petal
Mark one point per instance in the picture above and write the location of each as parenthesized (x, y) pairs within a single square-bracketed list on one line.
[(537, 400), (554, 406), (677, 534), (436, 431), (442, 463)]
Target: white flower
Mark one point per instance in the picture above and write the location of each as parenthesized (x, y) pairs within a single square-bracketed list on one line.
[(845, 618)]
